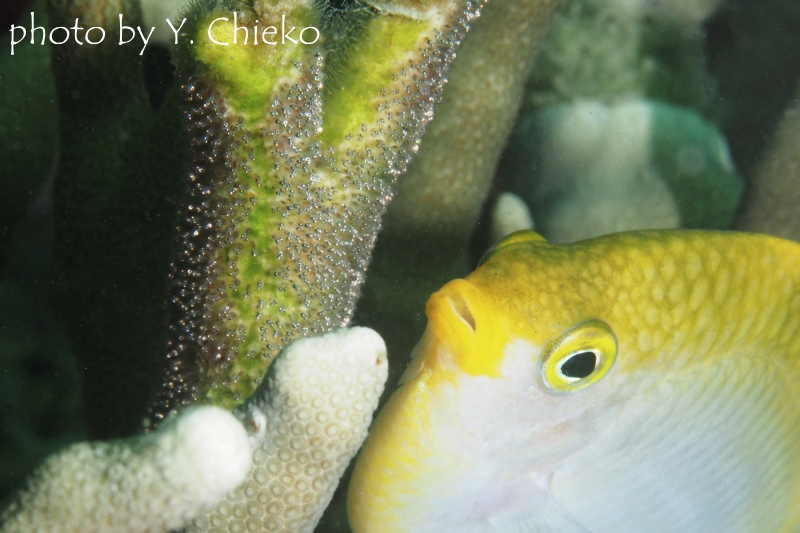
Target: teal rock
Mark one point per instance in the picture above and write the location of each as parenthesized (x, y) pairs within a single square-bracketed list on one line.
[(692, 157)]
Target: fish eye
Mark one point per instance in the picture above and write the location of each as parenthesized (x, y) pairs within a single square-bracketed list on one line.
[(578, 358)]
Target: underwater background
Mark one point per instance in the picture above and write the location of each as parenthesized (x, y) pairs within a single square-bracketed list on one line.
[(577, 118)]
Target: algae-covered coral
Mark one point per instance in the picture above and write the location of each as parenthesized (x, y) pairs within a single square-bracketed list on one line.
[(297, 149), (217, 212)]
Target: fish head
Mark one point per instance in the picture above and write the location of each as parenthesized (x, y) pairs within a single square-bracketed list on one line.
[(522, 353), (517, 368)]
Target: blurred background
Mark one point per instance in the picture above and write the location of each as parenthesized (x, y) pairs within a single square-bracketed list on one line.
[(637, 114)]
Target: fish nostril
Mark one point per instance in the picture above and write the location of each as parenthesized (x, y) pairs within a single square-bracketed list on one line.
[(461, 308)]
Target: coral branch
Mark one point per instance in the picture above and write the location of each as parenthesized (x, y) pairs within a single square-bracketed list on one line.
[(294, 165), (771, 205), (444, 190), (144, 484), (306, 422)]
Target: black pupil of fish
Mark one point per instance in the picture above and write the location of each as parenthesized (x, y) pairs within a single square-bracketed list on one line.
[(579, 365)]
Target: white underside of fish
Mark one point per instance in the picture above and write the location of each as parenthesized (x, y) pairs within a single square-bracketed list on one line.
[(703, 451), (695, 453)]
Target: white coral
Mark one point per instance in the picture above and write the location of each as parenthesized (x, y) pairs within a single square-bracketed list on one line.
[(306, 423), (152, 483)]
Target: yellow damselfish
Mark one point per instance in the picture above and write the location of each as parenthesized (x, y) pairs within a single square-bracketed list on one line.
[(639, 382)]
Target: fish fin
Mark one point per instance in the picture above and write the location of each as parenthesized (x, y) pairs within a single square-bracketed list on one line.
[(546, 515)]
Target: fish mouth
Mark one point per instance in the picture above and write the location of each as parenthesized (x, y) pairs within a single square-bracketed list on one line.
[(464, 332)]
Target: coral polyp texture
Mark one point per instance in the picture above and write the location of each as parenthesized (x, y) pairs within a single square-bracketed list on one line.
[(296, 151), (305, 423), (151, 483)]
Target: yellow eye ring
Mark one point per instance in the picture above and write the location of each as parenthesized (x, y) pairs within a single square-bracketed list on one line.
[(578, 358)]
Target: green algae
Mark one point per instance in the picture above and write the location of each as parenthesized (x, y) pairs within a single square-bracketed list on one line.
[(370, 65)]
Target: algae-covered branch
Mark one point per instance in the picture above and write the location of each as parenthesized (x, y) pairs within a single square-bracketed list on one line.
[(296, 151)]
